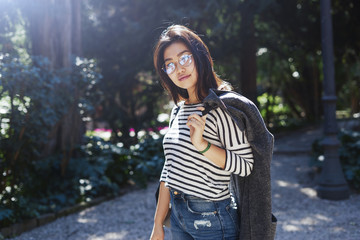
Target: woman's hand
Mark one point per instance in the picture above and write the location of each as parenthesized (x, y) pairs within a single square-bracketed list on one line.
[(197, 127), (157, 233)]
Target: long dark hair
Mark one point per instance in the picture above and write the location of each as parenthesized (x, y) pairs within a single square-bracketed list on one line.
[(207, 77)]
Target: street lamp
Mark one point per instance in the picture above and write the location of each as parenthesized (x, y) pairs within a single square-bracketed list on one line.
[(332, 184)]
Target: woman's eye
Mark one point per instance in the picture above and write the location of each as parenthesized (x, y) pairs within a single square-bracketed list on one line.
[(184, 59), (169, 65)]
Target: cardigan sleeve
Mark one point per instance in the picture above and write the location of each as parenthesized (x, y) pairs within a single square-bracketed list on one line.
[(239, 156)]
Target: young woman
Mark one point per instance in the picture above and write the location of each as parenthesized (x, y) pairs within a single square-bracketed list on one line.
[(201, 152)]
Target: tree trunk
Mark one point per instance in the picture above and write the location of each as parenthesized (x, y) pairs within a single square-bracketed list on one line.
[(55, 31), (248, 54), (50, 30), (76, 28)]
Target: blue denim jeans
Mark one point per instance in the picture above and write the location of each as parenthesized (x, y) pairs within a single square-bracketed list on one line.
[(200, 219)]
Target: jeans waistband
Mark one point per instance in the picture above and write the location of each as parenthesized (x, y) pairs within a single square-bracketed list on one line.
[(178, 194)]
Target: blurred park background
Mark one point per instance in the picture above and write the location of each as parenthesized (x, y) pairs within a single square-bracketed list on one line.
[(82, 113)]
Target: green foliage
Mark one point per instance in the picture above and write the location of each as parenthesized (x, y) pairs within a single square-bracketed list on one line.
[(290, 31), (147, 159), (5, 215), (276, 113), (98, 169), (139, 164), (349, 154), (27, 113), (350, 157), (33, 98), (9, 19)]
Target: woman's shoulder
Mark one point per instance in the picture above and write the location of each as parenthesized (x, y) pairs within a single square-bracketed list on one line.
[(232, 97), (234, 102)]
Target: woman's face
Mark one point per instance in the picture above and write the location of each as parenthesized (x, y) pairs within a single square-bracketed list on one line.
[(185, 74)]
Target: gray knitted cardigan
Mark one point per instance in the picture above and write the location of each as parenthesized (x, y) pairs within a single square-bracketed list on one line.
[(252, 193)]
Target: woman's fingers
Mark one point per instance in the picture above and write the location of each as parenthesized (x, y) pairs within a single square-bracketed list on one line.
[(196, 123), (198, 118), (202, 119), (202, 109)]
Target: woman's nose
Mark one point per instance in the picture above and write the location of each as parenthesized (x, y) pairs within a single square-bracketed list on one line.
[(179, 68)]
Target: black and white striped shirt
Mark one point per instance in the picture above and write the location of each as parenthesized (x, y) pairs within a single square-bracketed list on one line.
[(189, 171)]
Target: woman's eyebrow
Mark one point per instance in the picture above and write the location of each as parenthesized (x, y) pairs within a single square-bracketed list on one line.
[(179, 54)]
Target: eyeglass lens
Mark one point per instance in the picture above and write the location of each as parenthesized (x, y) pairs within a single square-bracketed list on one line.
[(185, 60)]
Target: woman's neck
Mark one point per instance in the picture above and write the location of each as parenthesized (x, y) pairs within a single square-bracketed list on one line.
[(192, 100)]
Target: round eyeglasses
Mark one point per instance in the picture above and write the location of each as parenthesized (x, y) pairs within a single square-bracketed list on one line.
[(185, 61)]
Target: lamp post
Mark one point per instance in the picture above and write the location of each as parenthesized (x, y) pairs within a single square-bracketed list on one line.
[(332, 184)]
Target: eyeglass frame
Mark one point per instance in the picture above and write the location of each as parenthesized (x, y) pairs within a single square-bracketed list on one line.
[(178, 61)]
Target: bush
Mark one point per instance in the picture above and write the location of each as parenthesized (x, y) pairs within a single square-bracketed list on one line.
[(99, 169), (32, 184), (147, 159), (349, 154), (276, 114)]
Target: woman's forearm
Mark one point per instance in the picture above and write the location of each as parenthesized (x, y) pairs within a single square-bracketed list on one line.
[(215, 154), (163, 205), (238, 162)]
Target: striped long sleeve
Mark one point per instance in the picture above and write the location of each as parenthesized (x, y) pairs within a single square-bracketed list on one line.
[(239, 157), (189, 171)]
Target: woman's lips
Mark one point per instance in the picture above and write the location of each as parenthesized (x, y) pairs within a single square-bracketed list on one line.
[(184, 78)]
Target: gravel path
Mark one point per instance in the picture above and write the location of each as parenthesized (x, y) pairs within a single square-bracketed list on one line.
[(301, 215)]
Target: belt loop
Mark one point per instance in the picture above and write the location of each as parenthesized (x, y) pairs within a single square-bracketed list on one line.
[(183, 196)]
